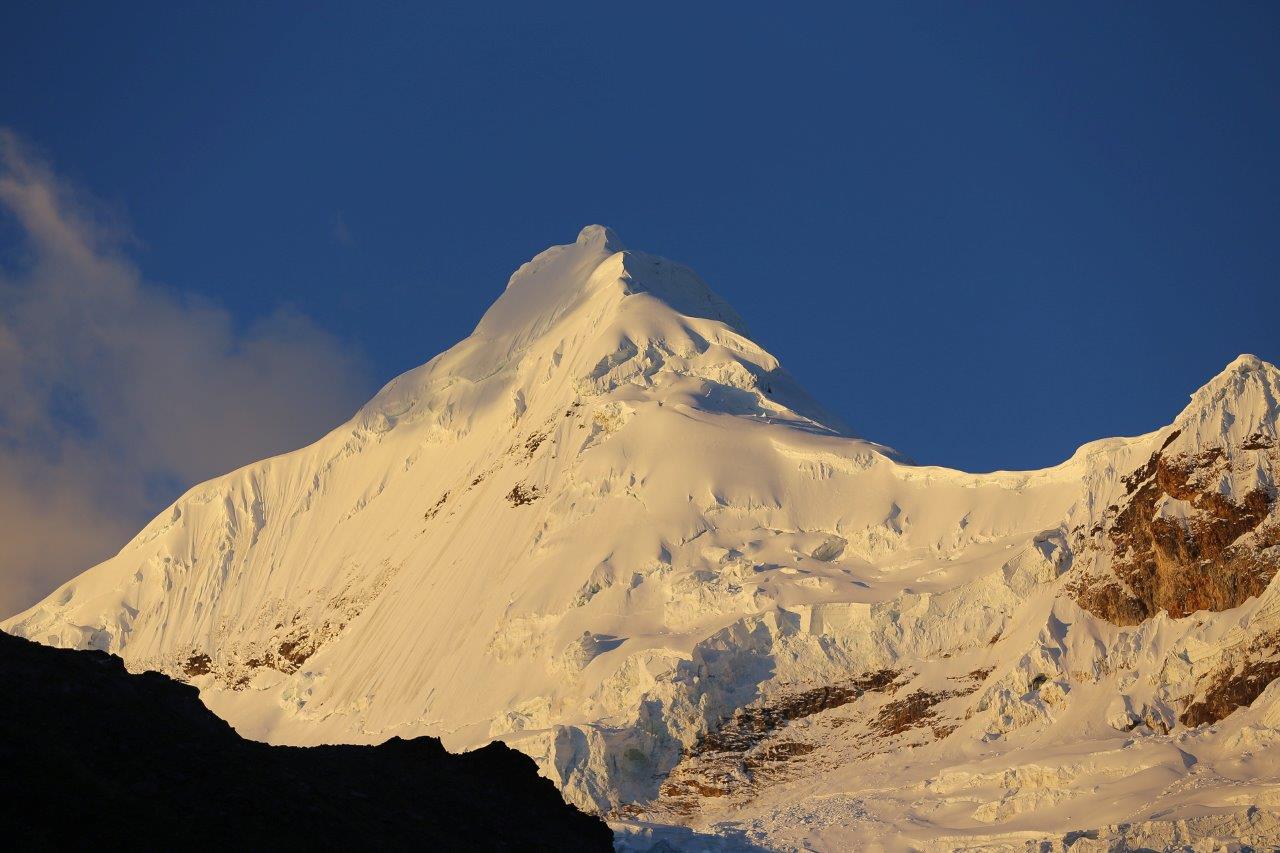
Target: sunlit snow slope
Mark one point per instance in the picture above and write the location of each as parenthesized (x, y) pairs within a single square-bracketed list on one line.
[(610, 530)]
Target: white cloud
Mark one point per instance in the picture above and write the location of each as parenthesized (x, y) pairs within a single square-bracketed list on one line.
[(110, 384)]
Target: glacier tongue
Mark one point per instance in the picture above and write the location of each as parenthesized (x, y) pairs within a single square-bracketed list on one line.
[(609, 529)]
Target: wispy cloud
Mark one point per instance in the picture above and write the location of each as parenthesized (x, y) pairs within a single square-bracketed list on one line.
[(115, 390)]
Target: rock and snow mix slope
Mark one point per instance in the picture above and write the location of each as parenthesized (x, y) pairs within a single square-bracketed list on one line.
[(610, 530)]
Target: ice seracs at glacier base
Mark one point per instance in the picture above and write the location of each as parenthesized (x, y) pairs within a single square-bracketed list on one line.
[(610, 530)]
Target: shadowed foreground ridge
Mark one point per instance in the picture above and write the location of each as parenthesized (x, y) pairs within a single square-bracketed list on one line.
[(94, 755)]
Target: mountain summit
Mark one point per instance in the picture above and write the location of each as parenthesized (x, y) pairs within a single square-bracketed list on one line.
[(610, 530)]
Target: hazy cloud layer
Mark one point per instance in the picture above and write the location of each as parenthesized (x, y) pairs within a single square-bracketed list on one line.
[(114, 392)]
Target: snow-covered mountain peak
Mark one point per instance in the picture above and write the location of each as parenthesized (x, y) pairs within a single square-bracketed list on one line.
[(587, 319), (544, 287), (1235, 408), (1242, 371), (601, 235), (560, 278), (609, 529)]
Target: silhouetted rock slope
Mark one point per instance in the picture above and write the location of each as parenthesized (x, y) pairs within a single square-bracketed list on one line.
[(93, 756)]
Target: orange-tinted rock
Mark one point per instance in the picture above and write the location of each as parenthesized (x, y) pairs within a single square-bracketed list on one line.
[(1216, 559), (1236, 684)]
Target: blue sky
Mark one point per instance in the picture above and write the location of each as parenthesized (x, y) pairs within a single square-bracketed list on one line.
[(982, 233)]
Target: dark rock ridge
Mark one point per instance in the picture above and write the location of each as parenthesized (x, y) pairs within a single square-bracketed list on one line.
[(94, 757)]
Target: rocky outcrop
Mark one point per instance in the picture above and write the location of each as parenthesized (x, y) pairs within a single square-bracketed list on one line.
[(789, 734), (1237, 682), (754, 724), (1182, 543), (95, 757)]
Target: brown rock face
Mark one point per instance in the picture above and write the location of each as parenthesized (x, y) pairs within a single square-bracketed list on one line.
[(1236, 685), (914, 711), (756, 747), (752, 725), (752, 746), (1216, 557), (1230, 690)]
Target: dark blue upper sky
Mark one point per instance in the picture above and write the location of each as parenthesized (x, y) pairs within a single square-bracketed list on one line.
[(982, 233)]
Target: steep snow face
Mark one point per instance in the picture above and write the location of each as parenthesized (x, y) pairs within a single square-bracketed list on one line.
[(609, 529)]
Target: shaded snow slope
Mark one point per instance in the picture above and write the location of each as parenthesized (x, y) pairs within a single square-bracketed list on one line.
[(609, 529)]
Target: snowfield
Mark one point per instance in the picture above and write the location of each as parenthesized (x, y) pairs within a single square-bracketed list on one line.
[(610, 530)]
